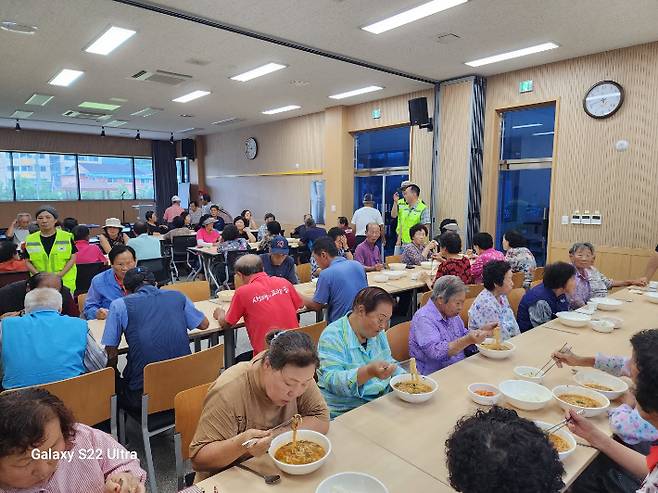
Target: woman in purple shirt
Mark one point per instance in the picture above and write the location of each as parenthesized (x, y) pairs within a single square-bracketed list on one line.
[(437, 337)]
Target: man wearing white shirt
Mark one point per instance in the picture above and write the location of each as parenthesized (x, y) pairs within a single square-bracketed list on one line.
[(364, 215)]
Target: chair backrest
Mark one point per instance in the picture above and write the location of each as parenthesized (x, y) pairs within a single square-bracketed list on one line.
[(164, 379), (535, 283), (194, 290), (180, 244), (518, 278), (398, 340), (9, 277), (394, 259), (231, 258), (538, 274), (514, 298), (188, 405), (88, 396), (314, 331), (425, 298), (159, 267), (81, 302), (474, 290), (464, 312), (85, 273), (303, 272)]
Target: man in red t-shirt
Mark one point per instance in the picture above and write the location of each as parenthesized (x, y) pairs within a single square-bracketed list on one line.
[(265, 302)]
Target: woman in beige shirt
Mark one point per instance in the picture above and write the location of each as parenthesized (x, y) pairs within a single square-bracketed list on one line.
[(250, 398)]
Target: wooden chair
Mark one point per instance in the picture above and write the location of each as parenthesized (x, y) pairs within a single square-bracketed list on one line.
[(91, 397), (514, 298), (535, 283), (194, 290), (162, 381), (9, 277), (518, 278), (188, 406), (303, 272), (425, 298), (394, 259), (314, 331), (464, 312), (474, 290), (538, 274), (81, 302), (398, 340)]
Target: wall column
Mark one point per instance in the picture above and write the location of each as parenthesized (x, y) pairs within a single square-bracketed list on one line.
[(338, 165)]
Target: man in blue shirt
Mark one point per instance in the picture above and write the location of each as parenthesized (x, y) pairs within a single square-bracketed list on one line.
[(145, 246), (155, 324), (108, 285), (339, 281), (278, 263)]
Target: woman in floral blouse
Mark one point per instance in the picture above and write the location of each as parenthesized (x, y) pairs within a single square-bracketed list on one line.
[(483, 244), (519, 257), (452, 262), (491, 304), (418, 251)]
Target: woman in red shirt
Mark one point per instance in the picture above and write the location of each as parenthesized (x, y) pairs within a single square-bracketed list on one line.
[(452, 262), (87, 253), (9, 261)]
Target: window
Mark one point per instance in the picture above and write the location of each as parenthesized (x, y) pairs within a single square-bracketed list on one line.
[(103, 177), (183, 170), (144, 183), (528, 133), (59, 181), (6, 182), (383, 148)]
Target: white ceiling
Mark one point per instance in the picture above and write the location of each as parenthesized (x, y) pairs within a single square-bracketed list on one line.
[(486, 27)]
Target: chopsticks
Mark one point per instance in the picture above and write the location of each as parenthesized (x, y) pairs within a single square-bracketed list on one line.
[(252, 441), (561, 424), (544, 370)]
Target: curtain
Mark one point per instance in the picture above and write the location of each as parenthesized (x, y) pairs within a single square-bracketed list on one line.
[(477, 147), (164, 170)]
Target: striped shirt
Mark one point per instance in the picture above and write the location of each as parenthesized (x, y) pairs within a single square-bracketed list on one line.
[(341, 356)]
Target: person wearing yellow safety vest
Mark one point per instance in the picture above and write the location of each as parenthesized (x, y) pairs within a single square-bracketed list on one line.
[(51, 249), (412, 211)]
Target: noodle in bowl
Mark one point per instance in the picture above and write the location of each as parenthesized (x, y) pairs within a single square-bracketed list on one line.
[(578, 398), (308, 435), (562, 436), (414, 398)]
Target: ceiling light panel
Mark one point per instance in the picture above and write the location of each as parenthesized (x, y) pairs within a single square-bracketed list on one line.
[(268, 68), (356, 92), (274, 111), (412, 15), (513, 54), (146, 112), (39, 99), (115, 123), (191, 96), (22, 114), (91, 105), (110, 40), (65, 77), (225, 121)]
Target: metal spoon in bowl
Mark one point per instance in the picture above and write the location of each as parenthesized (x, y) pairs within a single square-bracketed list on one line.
[(269, 478)]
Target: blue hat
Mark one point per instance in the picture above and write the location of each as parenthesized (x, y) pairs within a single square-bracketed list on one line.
[(279, 244)]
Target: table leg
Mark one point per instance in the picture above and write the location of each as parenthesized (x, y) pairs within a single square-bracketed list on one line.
[(319, 316), (229, 347), (414, 301)]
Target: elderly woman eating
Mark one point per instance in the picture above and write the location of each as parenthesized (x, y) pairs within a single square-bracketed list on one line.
[(417, 251), (437, 337), (491, 305), (519, 257), (355, 358)]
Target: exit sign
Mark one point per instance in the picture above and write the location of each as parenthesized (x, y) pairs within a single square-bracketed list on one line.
[(376, 114), (525, 86)]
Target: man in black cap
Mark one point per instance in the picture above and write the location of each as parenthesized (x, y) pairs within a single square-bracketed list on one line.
[(155, 324)]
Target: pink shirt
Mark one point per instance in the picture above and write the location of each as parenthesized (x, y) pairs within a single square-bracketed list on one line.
[(88, 254), (204, 237), (483, 259), (171, 212), (88, 473)]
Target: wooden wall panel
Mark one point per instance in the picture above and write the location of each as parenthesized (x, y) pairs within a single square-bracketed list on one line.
[(85, 211), (588, 173)]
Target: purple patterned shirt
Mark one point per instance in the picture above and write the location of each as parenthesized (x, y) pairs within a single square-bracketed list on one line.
[(583, 291), (367, 254)]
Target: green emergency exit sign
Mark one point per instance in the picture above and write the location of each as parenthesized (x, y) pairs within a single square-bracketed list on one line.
[(376, 114), (525, 86)]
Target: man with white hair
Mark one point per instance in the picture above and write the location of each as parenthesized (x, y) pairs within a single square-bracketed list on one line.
[(18, 229), (44, 346), (174, 210)]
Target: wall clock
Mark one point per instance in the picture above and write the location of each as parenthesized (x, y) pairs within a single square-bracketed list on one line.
[(250, 148), (603, 99)]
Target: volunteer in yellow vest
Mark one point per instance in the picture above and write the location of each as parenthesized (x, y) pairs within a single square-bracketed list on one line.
[(412, 211), (397, 201), (51, 249)]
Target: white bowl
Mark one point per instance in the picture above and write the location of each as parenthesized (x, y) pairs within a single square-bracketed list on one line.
[(483, 399), (494, 354), (413, 398), (393, 274), (653, 285), (562, 433), (226, 295), (609, 304), (311, 436), (616, 321), (573, 319), (651, 296), (524, 395), (529, 374), (315, 280), (427, 265), (617, 385), (603, 326), (380, 278), (584, 391), (352, 482), (396, 266)]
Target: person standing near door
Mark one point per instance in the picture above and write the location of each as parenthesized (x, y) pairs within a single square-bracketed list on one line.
[(412, 212), (365, 215)]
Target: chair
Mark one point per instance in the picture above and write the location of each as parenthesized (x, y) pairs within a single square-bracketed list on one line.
[(398, 340), (229, 266), (535, 283), (538, 274), (518, 278), (394, 259), (194, 290), (425, 298), (91, 397), (188, 406), (514, 298), (85, 273), (81, 302), (180, 253), (303, 272), (9, 277), (314, 331), (464, 312), (474, 290), (159, 267), (162, 381)]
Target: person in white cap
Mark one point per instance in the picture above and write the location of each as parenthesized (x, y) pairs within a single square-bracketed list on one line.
[(174, 210)]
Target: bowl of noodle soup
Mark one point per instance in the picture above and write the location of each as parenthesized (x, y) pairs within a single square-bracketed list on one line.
[(311, 446), (562, 440), (609, 386), (404, 388), (578, 398)]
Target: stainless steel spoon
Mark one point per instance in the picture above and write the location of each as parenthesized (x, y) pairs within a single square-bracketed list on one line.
[(269, 479)]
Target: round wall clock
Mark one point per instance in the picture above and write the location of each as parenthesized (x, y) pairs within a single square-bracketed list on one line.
[(250, 148), (603, 99)]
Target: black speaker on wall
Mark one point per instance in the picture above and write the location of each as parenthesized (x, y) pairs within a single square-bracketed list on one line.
[(188, 148), (418, 113)]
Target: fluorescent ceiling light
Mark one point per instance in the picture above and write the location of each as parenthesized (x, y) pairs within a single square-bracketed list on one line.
[(412, 15), (225, 121), (356, 92), (529, 125), (185, 130), (65, 78), (39, 99), (116, 123), (268, 68), (191, 96), (22, 114), (90, 105), (513, 54), (281, 110), (110, 40), (543, 133), (146, 112)]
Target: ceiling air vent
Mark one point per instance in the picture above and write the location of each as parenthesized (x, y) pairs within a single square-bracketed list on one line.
[(447, 38), (84, 115), (161, 77)]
